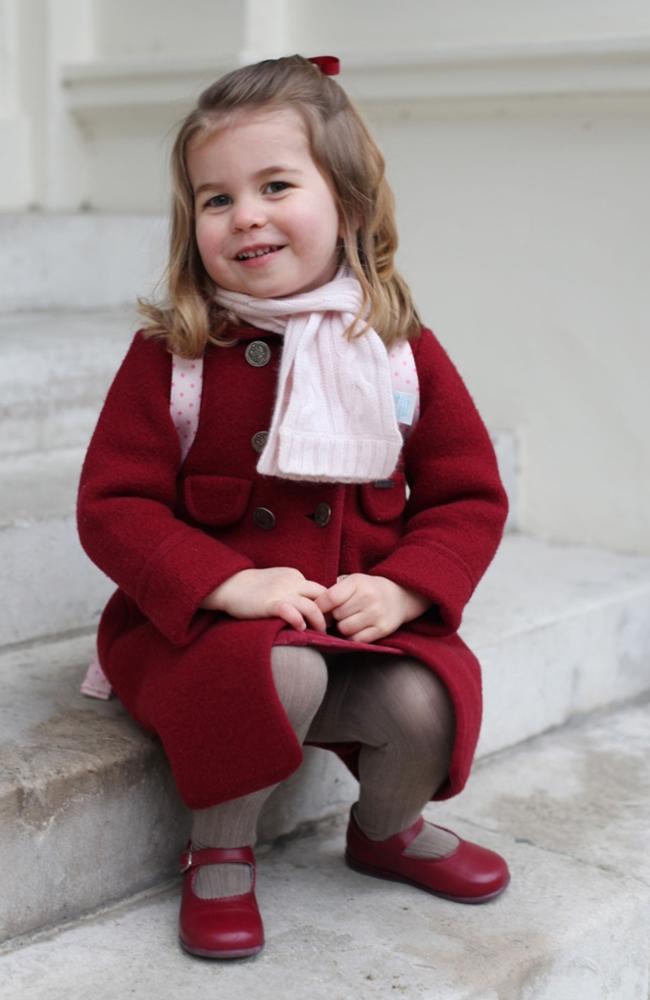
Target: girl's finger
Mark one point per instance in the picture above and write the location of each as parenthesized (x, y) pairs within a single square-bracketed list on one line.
[(335, 595), (352, 624), (289, 613), (311, 613), (353, 606), (311, 589)]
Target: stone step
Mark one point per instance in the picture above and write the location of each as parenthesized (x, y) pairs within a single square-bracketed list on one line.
[(560, 631), (570, 812), (50, 586), (56, 368), (73, 260)]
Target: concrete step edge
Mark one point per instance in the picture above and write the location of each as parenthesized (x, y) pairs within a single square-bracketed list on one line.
[(572, 923)]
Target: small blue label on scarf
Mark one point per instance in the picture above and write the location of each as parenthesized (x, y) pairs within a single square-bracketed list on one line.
[(404, 406)]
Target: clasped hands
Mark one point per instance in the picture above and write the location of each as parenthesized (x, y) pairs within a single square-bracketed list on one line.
[(365, 608)]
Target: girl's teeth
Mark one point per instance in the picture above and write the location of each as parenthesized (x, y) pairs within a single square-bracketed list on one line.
[(256, 253)]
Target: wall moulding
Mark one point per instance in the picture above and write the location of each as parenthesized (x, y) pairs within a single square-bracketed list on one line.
[(156, 83), (620, 66)]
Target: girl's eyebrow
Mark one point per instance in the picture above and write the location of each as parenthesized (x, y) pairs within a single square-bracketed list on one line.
[(276, 168)]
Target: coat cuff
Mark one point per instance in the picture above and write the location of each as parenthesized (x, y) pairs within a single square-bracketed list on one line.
[(433, 572), (178, 575)]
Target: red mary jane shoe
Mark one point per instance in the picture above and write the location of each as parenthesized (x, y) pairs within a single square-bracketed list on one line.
[(470, 874), (219, 928)]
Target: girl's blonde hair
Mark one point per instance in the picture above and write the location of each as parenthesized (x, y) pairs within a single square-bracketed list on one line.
[(342, 148)]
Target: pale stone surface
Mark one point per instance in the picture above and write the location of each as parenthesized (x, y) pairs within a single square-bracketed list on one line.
[(56, 368), (79, 260), (559, 630), (320, 786), (39, 486), (54, 586), (583, 792), (88, 808), (573, 924)]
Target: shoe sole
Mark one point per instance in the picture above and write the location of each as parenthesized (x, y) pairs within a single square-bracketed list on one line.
[(235, 953), (394, 877)]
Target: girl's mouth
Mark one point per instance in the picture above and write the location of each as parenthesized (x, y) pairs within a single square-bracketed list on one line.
[(256, 254)]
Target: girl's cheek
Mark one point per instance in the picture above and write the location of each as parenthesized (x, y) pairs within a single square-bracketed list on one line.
[(206, 239)]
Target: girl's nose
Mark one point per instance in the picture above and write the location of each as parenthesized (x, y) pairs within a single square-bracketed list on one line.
[(248, 214)]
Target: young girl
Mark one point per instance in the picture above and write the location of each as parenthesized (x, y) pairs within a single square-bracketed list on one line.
[(300, 574)]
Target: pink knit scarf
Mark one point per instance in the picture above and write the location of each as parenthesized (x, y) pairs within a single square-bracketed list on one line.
[(334, 416)]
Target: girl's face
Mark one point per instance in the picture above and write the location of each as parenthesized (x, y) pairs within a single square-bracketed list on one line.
[(266, 223)]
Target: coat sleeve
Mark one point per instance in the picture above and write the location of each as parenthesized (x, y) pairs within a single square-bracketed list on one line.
[(457, 506), (127, 497)]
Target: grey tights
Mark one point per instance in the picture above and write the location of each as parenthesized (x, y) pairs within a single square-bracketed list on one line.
[(395, 707), (300, 676)]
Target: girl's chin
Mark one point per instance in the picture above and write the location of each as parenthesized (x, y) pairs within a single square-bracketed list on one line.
[(275, 287)]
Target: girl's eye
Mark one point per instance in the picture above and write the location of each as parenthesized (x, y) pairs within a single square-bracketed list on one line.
[(217, 201), (274, 187)]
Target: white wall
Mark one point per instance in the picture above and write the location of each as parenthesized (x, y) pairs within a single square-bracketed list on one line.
[(416, 25), (135, 28), (16, 129), (517, 140), (525, 238)]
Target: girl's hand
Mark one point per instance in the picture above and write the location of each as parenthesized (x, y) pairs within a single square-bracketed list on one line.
[(368, 608), (277, 592)]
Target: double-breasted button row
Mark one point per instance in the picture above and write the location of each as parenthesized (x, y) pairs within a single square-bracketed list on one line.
[(265, 518), (258, 353)]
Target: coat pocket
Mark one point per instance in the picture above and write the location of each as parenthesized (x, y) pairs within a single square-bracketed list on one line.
[(385, 499), (216, 500)]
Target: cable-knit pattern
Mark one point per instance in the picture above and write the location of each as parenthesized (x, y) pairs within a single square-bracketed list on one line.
[(334, 416)]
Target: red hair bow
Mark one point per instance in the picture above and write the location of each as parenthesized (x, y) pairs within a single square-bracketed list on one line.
[(328, 65)]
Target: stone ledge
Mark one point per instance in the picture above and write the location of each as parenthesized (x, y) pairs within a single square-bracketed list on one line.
[(439, 74), (572, 924)]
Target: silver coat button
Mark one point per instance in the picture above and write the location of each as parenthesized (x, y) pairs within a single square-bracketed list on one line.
[(258, 353), (322, 514), (258, 441), (264, 518)]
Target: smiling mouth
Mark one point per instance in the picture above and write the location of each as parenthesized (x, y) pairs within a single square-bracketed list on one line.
[(260, 252)]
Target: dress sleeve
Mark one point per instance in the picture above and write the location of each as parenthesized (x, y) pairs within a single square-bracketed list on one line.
[(127, 498), (457, 506)]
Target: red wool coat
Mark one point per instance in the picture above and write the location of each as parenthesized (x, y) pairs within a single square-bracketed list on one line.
[(168, 533)]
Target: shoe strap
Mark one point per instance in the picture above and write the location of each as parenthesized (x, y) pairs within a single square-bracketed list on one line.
[(398, 842), (405, 838), (195, 858)]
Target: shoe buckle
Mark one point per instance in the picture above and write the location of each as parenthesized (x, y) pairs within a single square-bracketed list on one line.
[(188, 863)]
